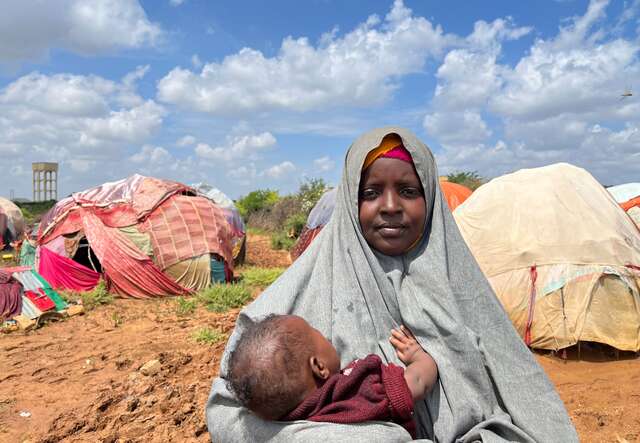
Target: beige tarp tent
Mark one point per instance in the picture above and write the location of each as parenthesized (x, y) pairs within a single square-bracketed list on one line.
[(11, 222), (558, 227)]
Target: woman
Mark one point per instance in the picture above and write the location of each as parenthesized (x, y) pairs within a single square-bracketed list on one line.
[(392, 255)]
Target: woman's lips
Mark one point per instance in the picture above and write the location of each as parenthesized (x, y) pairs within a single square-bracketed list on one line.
[(390, 231)]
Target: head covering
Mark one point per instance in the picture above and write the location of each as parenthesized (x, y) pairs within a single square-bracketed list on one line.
[(390, 147), (490, 388)]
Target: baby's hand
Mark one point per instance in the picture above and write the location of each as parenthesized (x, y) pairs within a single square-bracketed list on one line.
[(405, 344)]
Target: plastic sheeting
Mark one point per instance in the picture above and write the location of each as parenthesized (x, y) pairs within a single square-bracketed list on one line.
[(30, 310), (574, 303), (117, 204), (140, 239), (454, 193), (321, 212), (11, 219), (557, 214), (62, 272), (569, 232), (625, 192), (129, 272), (193, 274)]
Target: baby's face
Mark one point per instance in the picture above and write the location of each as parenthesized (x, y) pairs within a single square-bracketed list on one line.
[(322, 348)]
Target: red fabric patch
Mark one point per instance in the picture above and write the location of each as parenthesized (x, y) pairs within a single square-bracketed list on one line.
[(62, 272), (40, 299)]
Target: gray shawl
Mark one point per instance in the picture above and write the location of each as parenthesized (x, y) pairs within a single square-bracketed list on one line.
[(490, 387)]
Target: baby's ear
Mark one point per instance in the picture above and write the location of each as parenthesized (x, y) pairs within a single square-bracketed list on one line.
[(319, 368)]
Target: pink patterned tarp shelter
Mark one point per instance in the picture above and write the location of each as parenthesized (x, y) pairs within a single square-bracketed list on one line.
[(135, 232)]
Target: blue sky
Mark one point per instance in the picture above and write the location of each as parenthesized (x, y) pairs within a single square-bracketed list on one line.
[(248, 95)]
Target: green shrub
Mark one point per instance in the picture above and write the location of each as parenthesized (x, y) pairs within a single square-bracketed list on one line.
[(470, 179), (256, 201), (33, 211), (209, 336), (90, 299), (96, 297), (260, 277), (222, 297), (295, 224), (281, 240), (185, 306)]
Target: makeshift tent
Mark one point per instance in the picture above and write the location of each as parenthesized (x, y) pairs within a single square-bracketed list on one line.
[(318, 218), (561, 255), (232, 215), (454, 193), (145, 236), (11, 222), (628, 196)]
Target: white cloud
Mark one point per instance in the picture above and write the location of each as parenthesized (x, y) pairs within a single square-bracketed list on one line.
[(360, 69), (466, 127), (29, 29), (559, 102), (79, 121), (324, 164), (151, 154), (237, 146), (176, 2), (280, 170), (187, 140)]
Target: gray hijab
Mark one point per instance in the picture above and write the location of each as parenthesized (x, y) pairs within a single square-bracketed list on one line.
[(490, 387)]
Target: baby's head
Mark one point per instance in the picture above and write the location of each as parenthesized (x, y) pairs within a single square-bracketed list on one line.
[(277, 362)]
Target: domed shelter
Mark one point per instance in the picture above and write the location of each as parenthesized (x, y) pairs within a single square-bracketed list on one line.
[(146, 237), (231, 213), (454, 193), (318, 218), (11, 223), (561, 255), (628, 196)]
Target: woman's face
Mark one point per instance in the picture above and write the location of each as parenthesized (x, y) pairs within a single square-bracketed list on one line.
[(391, 205)]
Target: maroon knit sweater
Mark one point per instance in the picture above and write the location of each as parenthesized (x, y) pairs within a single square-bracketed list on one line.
[(365, 390)]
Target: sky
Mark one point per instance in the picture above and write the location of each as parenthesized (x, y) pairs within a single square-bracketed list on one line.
[(249, 95)]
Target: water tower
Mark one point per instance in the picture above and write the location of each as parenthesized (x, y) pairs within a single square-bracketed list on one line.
[(45, 181)]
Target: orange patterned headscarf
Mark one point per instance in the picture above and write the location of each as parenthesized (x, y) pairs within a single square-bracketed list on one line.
[(390, 146)]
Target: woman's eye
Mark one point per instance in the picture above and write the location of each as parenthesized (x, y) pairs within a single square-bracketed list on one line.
[(410, 192), (368, 194)]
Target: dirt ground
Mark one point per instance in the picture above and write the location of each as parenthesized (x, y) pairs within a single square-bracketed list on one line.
[(80, 381)]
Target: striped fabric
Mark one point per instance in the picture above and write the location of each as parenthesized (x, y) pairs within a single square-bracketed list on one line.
[(184, 227)]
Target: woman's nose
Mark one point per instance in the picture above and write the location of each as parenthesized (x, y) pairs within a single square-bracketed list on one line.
[(390, 202)]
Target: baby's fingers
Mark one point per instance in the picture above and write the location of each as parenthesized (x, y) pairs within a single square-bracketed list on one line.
[(406, 331), (399, 335)]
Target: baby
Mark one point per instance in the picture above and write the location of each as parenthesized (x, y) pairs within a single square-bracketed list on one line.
[(284, 369)]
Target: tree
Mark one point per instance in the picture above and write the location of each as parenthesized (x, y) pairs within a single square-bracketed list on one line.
[(470, 179), (310, 192), (256, 201)]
